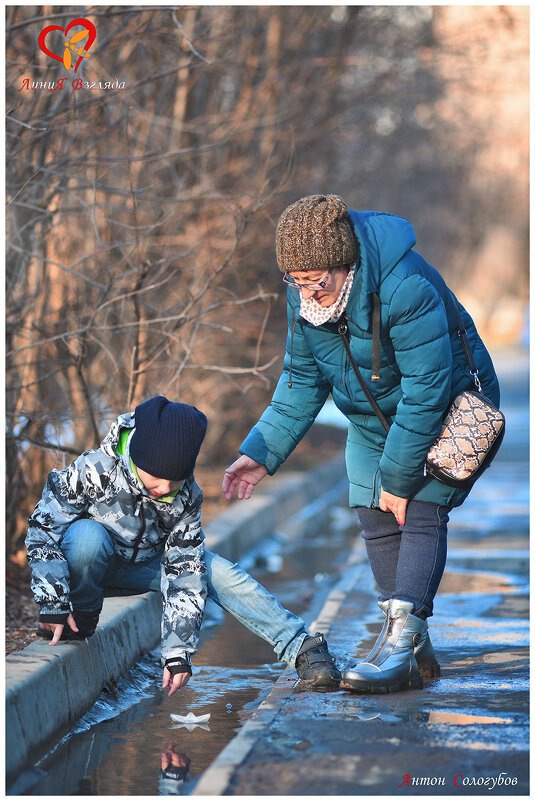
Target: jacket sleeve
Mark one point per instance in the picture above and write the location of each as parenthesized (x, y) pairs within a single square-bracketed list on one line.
[(299, 396), (63, 500), (183, 582), (420, 337)]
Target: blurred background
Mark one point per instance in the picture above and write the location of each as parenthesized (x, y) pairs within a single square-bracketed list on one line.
[(141, 220)]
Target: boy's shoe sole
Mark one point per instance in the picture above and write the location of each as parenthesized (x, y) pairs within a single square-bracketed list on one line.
[(324, 681)]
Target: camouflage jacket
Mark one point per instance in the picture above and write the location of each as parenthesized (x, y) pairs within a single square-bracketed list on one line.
[(101, 485)]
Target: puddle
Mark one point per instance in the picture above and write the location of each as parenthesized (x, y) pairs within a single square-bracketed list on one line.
[(462, 719), (117, 748), (432, 717), (458, 581)]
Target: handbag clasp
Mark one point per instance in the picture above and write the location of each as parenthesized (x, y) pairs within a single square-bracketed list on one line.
[(476, 380)]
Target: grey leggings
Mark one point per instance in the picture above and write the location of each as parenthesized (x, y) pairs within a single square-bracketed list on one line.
[(407, 561)]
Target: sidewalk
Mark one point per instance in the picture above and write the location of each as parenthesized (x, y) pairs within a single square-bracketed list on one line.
[(466, 733), (472, 723)]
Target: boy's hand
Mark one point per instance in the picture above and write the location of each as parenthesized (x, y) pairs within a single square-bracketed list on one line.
[(170, 759), (57, 629), (174, 682), (244, 474)]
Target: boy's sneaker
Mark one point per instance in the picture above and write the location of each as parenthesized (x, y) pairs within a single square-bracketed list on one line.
[(315, 665)]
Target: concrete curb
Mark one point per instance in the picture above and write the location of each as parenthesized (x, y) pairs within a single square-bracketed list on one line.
[(48, 689)]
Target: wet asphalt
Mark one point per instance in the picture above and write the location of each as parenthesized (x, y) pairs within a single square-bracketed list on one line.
[(465, 733)]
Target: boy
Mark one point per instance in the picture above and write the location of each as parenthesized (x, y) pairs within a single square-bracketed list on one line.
[(126, 518)]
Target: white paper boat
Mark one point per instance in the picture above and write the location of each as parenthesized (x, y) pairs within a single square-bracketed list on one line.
[(190, 720)]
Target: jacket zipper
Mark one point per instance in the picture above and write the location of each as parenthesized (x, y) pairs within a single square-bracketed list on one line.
[(375, 498), (291, 350), (346, 371), (139, 537)]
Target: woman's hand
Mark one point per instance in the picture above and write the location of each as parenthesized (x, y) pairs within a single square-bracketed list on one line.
[(244, 474), (394, 504)]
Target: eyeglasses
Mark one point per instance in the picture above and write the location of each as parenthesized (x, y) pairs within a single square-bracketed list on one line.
[(287, 278)]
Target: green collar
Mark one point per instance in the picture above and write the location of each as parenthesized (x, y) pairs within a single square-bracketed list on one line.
[(120, 450)]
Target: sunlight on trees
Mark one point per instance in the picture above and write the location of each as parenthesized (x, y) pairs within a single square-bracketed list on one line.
[(141, 220)]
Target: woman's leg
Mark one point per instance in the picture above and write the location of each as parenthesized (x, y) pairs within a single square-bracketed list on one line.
[(422, 555), (407, 561), (382, 537), (408, 567)]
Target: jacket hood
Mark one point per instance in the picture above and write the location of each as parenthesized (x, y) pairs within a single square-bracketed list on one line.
[(383, 239), (110, 441)]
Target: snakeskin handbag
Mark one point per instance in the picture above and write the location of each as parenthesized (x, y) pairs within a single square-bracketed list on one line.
[(472, 429), (471, 434)]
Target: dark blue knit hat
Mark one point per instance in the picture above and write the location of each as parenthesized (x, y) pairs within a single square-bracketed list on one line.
[(167, 438)]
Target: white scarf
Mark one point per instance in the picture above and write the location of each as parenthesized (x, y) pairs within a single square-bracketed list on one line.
[(316, 314)]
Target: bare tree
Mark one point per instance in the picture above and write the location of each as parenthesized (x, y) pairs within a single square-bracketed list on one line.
[(119, 240), (142, 200)]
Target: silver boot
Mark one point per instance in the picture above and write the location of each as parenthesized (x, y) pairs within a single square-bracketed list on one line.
[(425, 656), (391, 665), (423, 652)]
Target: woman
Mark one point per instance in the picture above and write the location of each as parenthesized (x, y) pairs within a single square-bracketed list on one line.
[(402, 326)]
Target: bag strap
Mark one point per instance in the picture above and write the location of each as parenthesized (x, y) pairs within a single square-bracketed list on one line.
[(376, 341), (343, 331), (465, 342)]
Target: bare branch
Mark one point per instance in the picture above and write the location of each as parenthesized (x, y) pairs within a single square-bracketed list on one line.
[(235, 370), (44, 445), (188, 40), (24, 124), (149, 322)]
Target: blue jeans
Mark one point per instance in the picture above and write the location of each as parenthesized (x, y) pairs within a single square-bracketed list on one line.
[(95, 573), (407, 561)]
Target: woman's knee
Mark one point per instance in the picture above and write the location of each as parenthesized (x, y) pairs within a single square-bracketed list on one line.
[(428, 519)]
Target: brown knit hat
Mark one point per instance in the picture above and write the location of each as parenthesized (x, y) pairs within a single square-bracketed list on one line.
[(315, 233)]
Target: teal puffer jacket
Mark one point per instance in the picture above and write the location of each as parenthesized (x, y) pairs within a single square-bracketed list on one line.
[(423, 367)]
